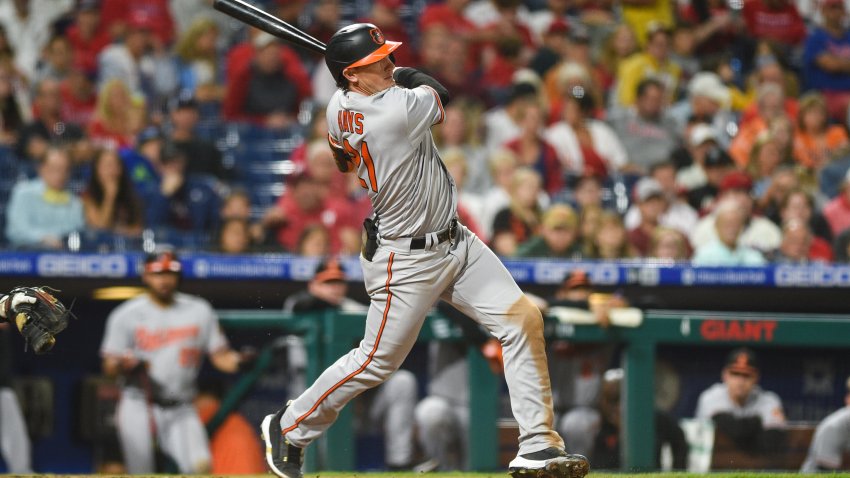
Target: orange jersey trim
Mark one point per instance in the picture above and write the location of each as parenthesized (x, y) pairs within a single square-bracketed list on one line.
[(334, 142), (365, 364), (439, 104)]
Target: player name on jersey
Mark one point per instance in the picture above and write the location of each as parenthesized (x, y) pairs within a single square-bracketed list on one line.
[(350, 121)]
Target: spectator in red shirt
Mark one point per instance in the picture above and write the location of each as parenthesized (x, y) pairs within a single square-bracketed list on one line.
[(800, 246), (534, 151), (716, 26), (318, 159), (117, 118), (554, 47), (78, 96), (775, 21), (87, 35), (508, 45), (652, 203), (325, 20), (48, 127), (837, 211), (116, 14), (265, 85), (385, 14), (449, 14), (306, 202), (447, 58)]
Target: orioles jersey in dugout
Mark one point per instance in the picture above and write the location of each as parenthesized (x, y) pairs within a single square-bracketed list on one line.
[(388, 136), (173, 340)]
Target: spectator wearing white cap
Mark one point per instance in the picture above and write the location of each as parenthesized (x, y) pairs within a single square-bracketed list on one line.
[(709, 101), (678, 214), (702, 138)]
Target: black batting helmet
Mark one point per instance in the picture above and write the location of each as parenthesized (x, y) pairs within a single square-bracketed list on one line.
[(356, 45), (162, 261)]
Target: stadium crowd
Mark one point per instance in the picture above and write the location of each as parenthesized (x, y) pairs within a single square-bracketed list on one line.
[(699, 130)]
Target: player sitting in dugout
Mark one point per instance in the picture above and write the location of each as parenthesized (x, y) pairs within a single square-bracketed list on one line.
[(751, 417)]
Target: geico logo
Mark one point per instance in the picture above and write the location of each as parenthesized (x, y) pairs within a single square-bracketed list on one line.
[(84, 266), (605, 274), (550, 273), (812, 276)]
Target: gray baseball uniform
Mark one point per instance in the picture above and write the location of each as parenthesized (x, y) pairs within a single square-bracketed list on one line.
[(14, 440), (830, 442), (172, 340), (442, 418), (390, 407), (389, 136), (764, 404)]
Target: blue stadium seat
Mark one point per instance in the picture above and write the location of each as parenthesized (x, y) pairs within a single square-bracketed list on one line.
[(267, 195)]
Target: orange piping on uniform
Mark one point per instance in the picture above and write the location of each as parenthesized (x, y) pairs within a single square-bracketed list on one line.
[(365, 364)]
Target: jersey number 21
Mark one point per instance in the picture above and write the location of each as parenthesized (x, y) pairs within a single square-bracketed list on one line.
[(365, 157)]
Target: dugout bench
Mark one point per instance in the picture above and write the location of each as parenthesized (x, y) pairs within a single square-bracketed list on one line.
[(335, 334)]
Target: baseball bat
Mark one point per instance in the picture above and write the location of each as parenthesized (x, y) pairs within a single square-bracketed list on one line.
[(247, 13)]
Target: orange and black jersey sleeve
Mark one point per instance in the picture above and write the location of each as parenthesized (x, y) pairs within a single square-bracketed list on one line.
[(411, 78)]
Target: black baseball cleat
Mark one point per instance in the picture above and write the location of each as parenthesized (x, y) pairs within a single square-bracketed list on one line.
[(283, 458), (549, 463)]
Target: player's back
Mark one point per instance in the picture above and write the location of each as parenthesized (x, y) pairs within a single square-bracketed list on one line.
[(389, 136)]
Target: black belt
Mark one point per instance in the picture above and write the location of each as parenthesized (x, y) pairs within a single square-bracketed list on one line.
[(168, 402), (442, 236)]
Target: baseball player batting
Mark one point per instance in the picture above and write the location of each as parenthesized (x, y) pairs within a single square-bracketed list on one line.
[(417, 253), (156, 342)]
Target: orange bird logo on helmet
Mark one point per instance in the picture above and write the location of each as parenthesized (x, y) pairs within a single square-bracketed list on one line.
[(377, 35)]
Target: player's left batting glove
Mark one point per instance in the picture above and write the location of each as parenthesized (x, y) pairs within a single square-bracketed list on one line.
[(38, 315)]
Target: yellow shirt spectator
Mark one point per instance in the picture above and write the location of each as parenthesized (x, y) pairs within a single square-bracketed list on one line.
[(643, 65), (642, 15)]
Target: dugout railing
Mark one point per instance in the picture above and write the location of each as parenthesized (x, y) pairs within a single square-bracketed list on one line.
[(330, 335)]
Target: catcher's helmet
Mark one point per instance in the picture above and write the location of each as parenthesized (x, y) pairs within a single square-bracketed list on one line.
[(356, 45), (165, 261)]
